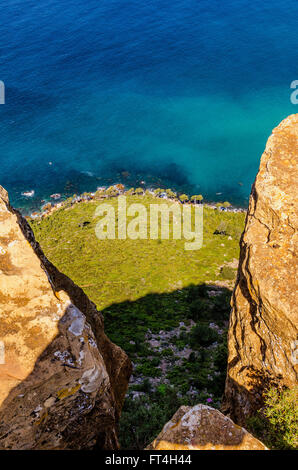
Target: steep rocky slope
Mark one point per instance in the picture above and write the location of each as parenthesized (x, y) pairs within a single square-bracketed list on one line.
[(263, 337), (62, 382)]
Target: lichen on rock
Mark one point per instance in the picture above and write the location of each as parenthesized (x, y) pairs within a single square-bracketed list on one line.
[(62, 382), (203, 428)]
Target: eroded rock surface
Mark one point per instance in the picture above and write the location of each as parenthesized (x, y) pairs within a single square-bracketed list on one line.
[(203, 428), (263, 346), (62, 382)]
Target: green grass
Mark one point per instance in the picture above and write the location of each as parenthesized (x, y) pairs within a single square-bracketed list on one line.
[(113, 271), (142, 285)]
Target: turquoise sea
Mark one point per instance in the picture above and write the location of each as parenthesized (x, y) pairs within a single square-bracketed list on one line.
[(180, 93)]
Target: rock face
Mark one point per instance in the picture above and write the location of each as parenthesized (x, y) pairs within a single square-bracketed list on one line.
[(203, 428), (263, 346), (62, 382)]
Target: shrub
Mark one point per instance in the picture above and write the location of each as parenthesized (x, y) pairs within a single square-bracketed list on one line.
[(194, 292), (145, 386), (221, 356), (157, 191), (143, 417), (200, 309), (221, 229), (221, 307), (281, 411), (226, 272), (203, 307), (192, 357), (170, 194), (183, 198), (276, 424), (139, 191), (167, 352), (148, 369), (162, 390), (202, 335), (100, 193), (220, 359), (130, 192), (112, 191), (197, 197), (228, 228)]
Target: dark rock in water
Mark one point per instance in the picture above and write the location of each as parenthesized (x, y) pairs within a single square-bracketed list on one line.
[(56, 196)]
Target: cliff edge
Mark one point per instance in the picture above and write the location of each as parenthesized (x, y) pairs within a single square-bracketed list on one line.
[(263, 332), (62, 381)]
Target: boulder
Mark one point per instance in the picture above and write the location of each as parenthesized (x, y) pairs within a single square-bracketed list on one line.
[(203, 428), (62, 381)]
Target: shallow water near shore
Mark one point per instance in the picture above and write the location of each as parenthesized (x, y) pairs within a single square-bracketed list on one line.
[(178, 94)]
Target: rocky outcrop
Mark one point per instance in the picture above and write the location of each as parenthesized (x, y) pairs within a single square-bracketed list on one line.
[(263, 346), (203, 428), (62, 382)]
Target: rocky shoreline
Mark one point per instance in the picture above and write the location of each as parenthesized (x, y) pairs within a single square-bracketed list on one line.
[(119, 189)]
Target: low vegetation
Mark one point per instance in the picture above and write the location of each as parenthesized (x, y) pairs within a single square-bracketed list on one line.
[(276, 424), (166, 307)]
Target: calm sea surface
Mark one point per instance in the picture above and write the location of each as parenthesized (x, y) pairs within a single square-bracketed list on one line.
[(176, 93)]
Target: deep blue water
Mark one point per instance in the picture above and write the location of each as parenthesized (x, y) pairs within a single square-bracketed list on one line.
[(179, 93)]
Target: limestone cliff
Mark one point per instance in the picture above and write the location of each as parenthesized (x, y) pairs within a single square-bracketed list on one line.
[(203, 428), (62, 382), (263, 337)]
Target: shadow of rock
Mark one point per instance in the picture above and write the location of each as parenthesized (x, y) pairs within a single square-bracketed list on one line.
[(63, 381)]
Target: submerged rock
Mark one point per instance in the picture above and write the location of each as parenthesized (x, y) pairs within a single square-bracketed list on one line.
[(62, 381), (203, 428), (263, 346)]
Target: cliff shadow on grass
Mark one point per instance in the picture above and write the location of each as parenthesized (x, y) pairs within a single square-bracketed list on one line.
[(177, 342)]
